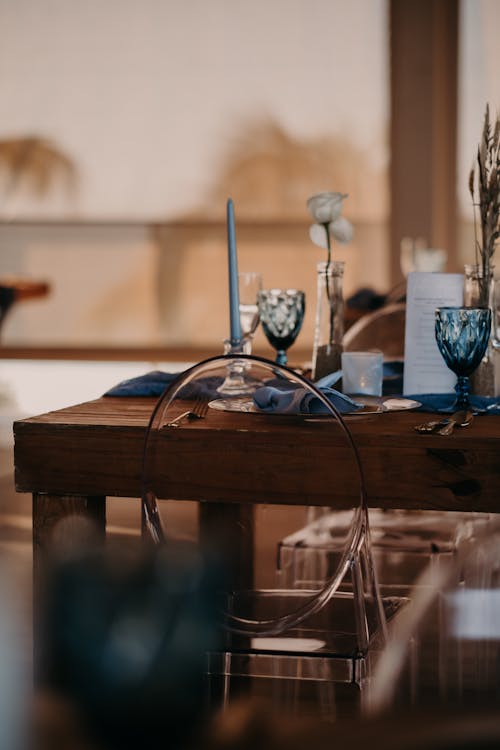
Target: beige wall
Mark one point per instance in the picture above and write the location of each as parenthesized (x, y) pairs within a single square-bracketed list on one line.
[(166, 108), (134, 286), (274, 101), (152, 100), (102, 286)]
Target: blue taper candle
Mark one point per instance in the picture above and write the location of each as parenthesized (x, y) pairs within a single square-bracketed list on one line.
[(234, 295)]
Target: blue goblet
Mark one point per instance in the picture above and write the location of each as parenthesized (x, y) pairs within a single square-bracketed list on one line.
[(281, 314), (462, 335)]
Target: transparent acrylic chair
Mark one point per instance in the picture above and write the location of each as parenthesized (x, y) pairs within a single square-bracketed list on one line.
[(403, 542), (278, 642), (443, 653), (382, 329)]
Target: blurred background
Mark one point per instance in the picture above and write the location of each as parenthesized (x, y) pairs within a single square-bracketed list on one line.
[(125, 127)]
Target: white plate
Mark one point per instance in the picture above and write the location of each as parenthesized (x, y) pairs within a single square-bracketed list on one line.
[(400, 404), (391, 403), (246, 405)]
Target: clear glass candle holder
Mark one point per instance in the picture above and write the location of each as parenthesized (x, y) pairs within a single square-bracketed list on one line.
[(362, 373)]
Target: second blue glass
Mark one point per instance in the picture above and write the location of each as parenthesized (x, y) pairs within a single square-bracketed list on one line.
[(462, 335), (281, 314)]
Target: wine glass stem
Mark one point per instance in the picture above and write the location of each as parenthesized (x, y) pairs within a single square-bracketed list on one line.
[(281, 358), (462, 391)]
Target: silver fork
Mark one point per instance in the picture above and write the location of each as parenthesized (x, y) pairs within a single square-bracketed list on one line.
[(199, 411), (200, 408)]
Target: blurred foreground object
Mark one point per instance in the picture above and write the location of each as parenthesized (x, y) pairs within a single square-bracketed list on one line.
[(13, 676), (125, 638)]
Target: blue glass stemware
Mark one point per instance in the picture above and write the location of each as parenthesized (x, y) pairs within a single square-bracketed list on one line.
[(281, 314), (462, 335)]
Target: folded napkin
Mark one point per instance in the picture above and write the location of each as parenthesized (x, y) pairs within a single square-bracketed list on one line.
[(274, 400), (286, 400), (150, 384), (154, 383), (436, 401)]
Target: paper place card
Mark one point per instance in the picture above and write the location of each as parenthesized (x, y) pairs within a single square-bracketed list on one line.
[(425, 370)]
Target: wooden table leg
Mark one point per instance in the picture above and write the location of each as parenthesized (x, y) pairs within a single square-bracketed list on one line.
[(50, 510), (57, 524), (227, 530)]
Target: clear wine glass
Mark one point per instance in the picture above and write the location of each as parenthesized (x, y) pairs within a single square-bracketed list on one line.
[(238, 381), (250, 284), (281, 314), (462, 335)]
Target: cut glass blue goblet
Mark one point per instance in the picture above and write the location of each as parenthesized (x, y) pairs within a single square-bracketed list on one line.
[(462, 335), (281, 314)]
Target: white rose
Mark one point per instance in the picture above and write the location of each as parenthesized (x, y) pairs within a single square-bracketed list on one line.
[(341, 229), (317, 233), (326, 207)]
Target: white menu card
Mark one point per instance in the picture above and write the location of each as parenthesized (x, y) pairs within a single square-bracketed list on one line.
[(425, 370)]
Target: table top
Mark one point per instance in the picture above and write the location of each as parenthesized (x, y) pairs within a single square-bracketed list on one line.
[(95, 448)]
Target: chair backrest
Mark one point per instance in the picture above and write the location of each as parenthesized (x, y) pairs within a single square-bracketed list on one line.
[(262, 457), (383, 329), (444, 650)]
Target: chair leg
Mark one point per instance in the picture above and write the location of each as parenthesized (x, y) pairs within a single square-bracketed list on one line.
[(226, 681)]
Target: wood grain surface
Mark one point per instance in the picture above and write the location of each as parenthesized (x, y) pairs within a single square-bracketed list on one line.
[(95, 449)]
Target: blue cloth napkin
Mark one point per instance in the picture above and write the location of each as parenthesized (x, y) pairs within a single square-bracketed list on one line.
[(436, 401), (288, 400), (154, 383), (431, 402), (393, 378), (274, 400), (150, 384)]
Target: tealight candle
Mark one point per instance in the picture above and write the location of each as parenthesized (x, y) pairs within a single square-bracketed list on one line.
[(362, 373)]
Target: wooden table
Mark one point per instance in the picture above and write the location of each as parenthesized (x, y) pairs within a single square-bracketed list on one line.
[(73, 458)]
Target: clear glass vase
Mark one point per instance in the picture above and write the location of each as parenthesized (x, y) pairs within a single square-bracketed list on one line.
[(329, 324), (482, 381)]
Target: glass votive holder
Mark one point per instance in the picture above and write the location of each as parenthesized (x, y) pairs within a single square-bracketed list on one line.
[(362, 373)]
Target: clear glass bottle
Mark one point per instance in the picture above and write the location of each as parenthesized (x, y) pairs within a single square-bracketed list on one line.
[(329, 324), (472, 274)]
